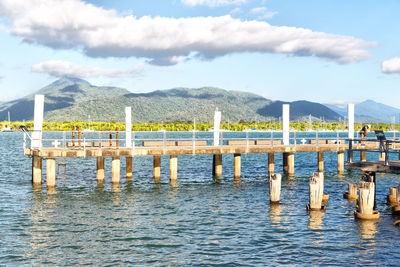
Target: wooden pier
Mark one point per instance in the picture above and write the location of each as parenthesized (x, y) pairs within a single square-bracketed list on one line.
[(116, 153), (116, 148)]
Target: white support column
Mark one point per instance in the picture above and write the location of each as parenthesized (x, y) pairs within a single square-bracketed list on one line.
[(217, 123), (128, 127), (350, 117), (285, 123), (38, 122)]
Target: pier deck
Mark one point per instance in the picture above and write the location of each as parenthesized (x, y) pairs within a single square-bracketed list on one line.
[(183, 150), (393, 166)]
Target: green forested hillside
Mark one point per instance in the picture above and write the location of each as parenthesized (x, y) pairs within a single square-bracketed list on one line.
[(71, 99)]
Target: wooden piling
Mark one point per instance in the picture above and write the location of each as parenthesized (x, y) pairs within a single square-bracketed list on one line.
[(352, 192), (392, 197), (275, 187), (157, 168), (51, 172), (365, 209), (316, 191), (100, 170), (36, 170), (320, 161), (382, 156), (217, 165), (80, 137), (128, 168), (363, 156), (115, 170), (340, 162), (173, 169), (271, 163), (237, 166), (290, 162), (285, 162)]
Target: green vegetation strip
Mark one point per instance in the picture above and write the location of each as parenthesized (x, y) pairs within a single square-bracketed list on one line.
[(188, 126)]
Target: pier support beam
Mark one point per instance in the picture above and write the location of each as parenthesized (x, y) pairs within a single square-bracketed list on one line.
[(51, 172), (320, 161), (128, 168), (363, 155), (340, 162), (115, 170), (173, 169), (271, 163), (100, 170), (156, 168), (237, 163), (288, 163), (217, 165), (36, 170), (382, 156)]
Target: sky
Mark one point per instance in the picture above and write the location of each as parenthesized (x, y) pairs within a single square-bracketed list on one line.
[(326, 51)]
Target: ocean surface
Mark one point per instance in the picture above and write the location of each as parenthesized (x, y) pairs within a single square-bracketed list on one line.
[(201, 221)]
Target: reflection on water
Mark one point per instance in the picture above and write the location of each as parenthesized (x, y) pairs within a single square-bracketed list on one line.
[(275, 212), (315, 219), (367, 229)]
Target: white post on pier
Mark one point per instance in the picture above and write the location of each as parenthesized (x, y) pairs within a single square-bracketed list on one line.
[(350, 116), (38, 122), (285, 123), (128, 126), (217, 123)]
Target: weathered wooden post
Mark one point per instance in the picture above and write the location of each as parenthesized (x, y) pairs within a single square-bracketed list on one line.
[(217, 165), (320, 161), (363, 156), (340, 162), (271, 163), (51, 172), (128, 168), (396, 207), (36, 170), (117, 137), (157, 168), (366, 201), (275, 187), (288, 163), (115, 169), (173, 169), (237, 166), (352, 192), (316, 193), (392, 197), (100, 170)]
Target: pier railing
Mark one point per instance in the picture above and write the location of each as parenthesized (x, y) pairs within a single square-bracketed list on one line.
[(117, 139), (384, 147)]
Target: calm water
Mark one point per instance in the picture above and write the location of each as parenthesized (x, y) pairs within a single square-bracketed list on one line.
[(202, 221)]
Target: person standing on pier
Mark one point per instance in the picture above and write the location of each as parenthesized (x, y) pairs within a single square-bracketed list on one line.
[(364, 131)]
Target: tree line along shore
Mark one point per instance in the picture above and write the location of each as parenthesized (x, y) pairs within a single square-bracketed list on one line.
[(189, 126)]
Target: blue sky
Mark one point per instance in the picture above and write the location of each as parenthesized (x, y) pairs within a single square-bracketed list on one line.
[(324, 51)]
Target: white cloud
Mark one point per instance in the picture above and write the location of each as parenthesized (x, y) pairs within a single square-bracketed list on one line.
[(258, 10), (262, 13), (64, 68), (212, 3), (391, 65), (73, 24)]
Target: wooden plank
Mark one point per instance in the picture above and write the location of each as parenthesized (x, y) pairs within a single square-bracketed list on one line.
[(158, 143), (190, 143), (240, 142), (268, 142)]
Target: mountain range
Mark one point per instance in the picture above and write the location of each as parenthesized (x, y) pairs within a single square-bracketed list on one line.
[(70, 99)]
